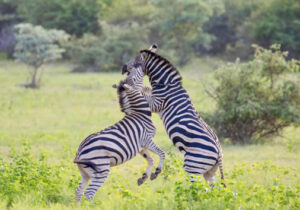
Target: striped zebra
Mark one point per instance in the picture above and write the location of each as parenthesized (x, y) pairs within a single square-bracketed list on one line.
[(118, 143), (187, 130)]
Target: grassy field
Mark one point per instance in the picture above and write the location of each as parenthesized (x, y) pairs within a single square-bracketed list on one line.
[(53, 120)]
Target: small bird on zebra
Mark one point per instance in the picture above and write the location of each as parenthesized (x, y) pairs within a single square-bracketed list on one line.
[(187, 130), (118, 143)]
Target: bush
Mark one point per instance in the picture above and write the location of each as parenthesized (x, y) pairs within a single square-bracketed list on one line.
[(108, 52), (240, 194), (22, 174), (258, 98)]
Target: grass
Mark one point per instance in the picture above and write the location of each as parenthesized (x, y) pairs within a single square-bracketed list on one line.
[(68, 107)]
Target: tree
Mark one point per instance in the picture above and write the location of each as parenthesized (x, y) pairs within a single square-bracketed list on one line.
[(258, 98), (178, 25), (76, 17), (278, 22), (36, 46), (119, 12), (231, 38)]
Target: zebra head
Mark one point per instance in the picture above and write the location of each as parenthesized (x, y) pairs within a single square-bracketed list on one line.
[(138, 61), (136, 78), (130, 99)]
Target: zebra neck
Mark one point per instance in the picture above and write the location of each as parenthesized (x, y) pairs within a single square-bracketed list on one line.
[(161, 71)]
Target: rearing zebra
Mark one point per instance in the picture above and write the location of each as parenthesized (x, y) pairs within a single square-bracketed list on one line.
[(118, 143), (187, 130)]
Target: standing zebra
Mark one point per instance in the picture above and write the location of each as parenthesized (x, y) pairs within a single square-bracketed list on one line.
[(118, 143), (187, 130)]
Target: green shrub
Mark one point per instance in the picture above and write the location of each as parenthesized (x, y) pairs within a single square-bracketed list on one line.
[(240, 194), (22, 174), (258, 98)]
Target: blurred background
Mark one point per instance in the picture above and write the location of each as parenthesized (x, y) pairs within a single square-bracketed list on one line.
[(104, 34)]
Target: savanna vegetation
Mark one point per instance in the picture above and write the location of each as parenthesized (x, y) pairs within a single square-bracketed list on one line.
[(41, 130), (240, 64)]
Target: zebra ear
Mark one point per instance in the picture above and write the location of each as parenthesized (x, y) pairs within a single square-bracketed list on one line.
[(127, 87), (115, 86), (143, 56), (153, 48)]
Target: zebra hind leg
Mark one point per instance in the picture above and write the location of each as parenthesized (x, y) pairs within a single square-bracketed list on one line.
[(97, 179), (154, 148), (84, 182), (209, 175), (145, 153)]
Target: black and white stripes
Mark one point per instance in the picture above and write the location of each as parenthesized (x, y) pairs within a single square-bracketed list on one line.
[(187, 130), (118, 143)]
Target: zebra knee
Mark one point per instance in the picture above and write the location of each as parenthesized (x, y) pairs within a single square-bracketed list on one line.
[(209, 178)]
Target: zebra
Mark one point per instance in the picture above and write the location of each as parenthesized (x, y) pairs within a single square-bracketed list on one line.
[(118, 143), (187, 130)]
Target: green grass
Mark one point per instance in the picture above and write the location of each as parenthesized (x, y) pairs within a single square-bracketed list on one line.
[(68, 107)]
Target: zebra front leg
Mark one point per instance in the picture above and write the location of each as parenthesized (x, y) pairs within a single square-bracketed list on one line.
[(82, 185), (97, 179), (154, 148), (145, 153)]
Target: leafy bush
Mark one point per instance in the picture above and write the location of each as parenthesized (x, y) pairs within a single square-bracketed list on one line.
[(36, 46), (22, 174), (108, 52), (239, 194), (258, 98)]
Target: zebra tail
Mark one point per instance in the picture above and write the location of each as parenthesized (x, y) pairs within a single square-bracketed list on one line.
[(87, 163), (221, 170)]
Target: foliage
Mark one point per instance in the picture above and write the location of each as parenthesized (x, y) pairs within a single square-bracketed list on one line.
[(36, 46), (258, 98), (76, 17), (231, 38), (178, 26), (277, 22), (8, 17), (22, 174), (120, 12), (108, 52), (183, 29), (238, 193)]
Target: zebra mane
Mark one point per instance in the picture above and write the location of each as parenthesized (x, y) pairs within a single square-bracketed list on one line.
[(123, 98), (166, 60)]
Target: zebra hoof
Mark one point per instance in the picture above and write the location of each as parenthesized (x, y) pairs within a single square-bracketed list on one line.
[(153, 176), (140, 181)]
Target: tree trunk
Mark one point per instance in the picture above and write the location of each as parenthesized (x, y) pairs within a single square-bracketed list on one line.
[(34, 81)]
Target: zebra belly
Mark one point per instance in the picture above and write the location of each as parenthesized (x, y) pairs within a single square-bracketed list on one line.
[(192, 140), (113, 148)]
